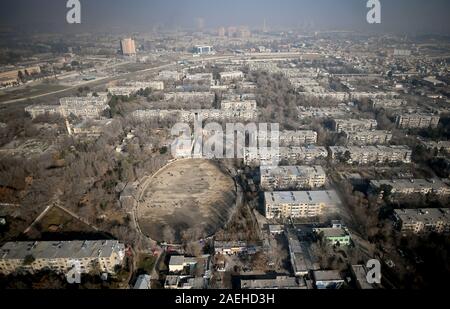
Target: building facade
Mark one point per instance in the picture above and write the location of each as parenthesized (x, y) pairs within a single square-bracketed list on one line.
[(300, 204), (292, 177), (104, 255)]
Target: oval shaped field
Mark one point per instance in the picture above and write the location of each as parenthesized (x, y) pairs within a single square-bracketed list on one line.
[(186, 200)]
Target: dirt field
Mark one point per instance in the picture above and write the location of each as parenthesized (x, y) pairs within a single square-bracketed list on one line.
[(57, 223), (188, 200)]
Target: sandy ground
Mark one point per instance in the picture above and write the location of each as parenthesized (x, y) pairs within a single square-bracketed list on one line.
[(190, 199)]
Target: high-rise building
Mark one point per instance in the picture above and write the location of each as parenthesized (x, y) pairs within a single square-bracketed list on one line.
[(128, 47), (221, 32)]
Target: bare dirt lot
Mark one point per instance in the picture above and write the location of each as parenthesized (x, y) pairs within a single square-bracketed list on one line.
[(187, 200)]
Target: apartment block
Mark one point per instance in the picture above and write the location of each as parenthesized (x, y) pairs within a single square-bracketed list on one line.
[(40, 110), (371, 154), (61, 256), (375, 137), (419, 221), (417, 121), (300, 204), (413, 186), (84, 107), (292, 177), (290, 138), (239, 105), (354, 125), (231, 76)]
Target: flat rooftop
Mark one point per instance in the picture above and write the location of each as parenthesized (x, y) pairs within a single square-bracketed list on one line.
[(303, 197), (291, 170), (426, 215), (60, 249)]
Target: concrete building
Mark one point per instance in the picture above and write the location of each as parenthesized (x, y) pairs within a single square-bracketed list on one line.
[(170, 75), (354, 125), (300, 204), (179, 263), (302, 155), (207, 97), (375, 137), (298, 138), (133, 88), (334, 236), (419, 221), (389, 103), (413, 186), (289, 138), (234, 247), (280, 282), (328, 279), (301, 258), (231, 76), (322, 112), (143, 283), (417, 121), (203, 49), (84, 107), (440, 146), (292, 177), (128, 47), (61, 256), (40, 110), (371, 154), (239, 105)]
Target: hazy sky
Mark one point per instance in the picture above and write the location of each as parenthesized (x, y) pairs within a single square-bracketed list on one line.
[(397, 15)]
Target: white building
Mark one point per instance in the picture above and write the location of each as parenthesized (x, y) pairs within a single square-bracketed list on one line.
[(61, 256), (292, 177), (300, 204)]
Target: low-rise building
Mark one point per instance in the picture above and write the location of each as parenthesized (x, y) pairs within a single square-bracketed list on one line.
[(417, 121), (292, 177), (301, 258), (440, 146), (373, 137), (84, 107), (170, 75), (322, 112), (334, 236), (413, 186), (302, 155), (280, 282), (231, 76), (371, 154), (300, 204), (328, 279), (179, 263), (290, 138), (234, 247), (388, 103), (423, 220), (61, 256), (143, 283), (239, 105), (354, 125), (41, 110)]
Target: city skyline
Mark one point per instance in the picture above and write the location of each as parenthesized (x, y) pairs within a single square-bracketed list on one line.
[(140, 15)]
